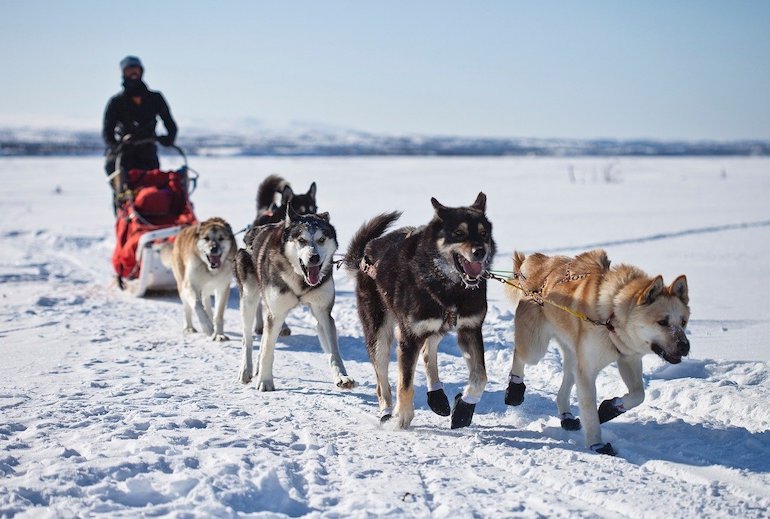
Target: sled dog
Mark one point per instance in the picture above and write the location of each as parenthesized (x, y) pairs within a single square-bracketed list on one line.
[(417, 284), (268, 211), (632, 315), (202, 262), (288, 263)]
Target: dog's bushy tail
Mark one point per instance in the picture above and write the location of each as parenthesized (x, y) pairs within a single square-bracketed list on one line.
[(267, 189), (514, 293), (372, 229)]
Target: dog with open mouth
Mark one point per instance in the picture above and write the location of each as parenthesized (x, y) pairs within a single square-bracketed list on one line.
[(202, 259), (288, 263), (628, 314), (418, 284), (271, 211)]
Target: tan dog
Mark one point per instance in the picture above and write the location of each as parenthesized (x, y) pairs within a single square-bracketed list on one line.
[(202, 262), (631, 315)]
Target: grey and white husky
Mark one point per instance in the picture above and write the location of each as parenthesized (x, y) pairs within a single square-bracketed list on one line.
[(417, 284), (288, 263), (268, 211)]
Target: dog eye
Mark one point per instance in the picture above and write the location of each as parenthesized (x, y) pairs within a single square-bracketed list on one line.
[(302, 241), (684, 323), (663, 322), (458, 234), (321, 240), (483, 233)]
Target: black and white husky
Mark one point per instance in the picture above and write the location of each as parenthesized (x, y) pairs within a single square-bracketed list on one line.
[(268, 211), (417, 284), (288, 263)]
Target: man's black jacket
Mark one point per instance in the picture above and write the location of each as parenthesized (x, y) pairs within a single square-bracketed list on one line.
[(122, 117)]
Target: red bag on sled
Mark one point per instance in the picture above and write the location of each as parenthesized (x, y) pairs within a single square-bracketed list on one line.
[(154, 200)]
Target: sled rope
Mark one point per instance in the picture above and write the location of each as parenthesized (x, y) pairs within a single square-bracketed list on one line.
[(539, 299), (242, 230)]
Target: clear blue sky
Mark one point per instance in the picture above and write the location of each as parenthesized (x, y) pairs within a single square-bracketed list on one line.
[(616, 69)]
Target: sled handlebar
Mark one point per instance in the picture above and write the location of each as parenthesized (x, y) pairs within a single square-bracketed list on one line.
[(127, 142)]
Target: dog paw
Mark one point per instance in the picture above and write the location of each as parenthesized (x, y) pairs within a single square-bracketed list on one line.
[(265, 385), (244, 377), (345, 382), (285, 331), (188, 330), (403, 418), (610, 409), (604, 448), (220, 337), (462, 415), (569, 422), (385, 418), (514, 394), (438, 402)]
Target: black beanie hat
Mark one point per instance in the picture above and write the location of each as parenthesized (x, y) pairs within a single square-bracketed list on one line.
[(130, 61)]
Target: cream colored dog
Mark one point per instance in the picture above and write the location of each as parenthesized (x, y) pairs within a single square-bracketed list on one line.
[(202, 261), (633, 314)]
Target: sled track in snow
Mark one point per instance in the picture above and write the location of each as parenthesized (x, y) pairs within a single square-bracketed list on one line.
[(661, 236)]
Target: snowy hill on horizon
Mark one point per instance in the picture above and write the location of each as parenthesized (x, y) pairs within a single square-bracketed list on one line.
[(254, 137)]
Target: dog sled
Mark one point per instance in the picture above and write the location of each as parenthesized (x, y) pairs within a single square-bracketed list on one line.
[(151, 207)]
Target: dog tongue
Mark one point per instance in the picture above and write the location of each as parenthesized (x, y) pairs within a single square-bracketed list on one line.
[(314, 274), (472, 269)]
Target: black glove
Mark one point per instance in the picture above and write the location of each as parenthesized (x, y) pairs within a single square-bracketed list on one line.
[(166, 140)]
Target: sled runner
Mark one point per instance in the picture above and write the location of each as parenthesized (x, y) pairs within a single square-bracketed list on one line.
[(151, 207)]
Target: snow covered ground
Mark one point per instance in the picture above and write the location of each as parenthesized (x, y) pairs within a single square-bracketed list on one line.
[(107, 409)]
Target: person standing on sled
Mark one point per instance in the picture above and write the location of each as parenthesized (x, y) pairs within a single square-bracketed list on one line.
[(134, 112)]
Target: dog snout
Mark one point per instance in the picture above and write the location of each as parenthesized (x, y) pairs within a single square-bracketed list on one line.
[(315, 259), (682, 343), (478, 253), (214, 247)]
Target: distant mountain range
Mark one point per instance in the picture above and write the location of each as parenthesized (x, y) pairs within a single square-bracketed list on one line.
[(307, 140)]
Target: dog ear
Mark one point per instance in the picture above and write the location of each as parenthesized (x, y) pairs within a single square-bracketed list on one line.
[(481, 202), (286, 195), (438, 206), (653, 290), (197, 229), (324, 216), (679, 289), (311, 191)]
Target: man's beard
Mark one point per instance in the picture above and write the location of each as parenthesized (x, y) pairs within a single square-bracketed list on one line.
[(134, 87)]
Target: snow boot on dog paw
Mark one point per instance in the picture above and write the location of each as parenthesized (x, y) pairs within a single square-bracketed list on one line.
[(569, 422), (514, 394), (438, 402), (610, 409), (463, 412), (604, 448)]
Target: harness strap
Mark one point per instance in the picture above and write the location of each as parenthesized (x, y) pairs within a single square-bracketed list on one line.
[(539, 299)]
